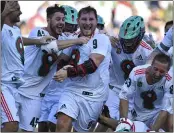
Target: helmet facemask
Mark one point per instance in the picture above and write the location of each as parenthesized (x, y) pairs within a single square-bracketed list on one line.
[(129, 46), (131, 33)]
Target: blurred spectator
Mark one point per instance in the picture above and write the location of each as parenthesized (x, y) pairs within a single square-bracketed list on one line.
[(154, 4), (113, 14), (155, 13), (39, 19), (24, 28), (122, 11)]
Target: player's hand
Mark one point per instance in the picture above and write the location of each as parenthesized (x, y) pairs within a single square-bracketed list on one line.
[(51, 47), (61, 75), (45, 40), (10, 6), (105, 111), (101, 119), (83, 40), (125, 125), (114, 41)]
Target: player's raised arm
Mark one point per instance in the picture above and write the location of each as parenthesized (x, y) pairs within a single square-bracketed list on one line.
[(37, 41), (127, 91), (164, 46), (62, 44)]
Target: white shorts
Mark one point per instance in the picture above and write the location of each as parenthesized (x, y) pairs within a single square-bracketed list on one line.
[(29, 113), (48, 111), (16, 107), (9, 106), (84, 112), (152, 120), (148, 119), (113, 104), (140, 126)]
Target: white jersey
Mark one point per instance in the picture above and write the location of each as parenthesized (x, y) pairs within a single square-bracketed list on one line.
[(148, 99), (167, 41), (39, 67), (92, 86), (169, 96), (54, 89), (123, 63), (12, 54)]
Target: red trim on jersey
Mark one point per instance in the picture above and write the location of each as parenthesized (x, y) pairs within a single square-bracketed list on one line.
[(6, 108), (140, 71), (168, 77), (133, 127), (145, 45)]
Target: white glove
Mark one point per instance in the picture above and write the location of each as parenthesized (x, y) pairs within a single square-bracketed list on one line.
[(51, 47), (125, 125)]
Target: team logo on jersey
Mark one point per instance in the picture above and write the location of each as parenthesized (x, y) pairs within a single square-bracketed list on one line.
[(63, 106), (139, 57), (118, 50), (148, 98), (139, 84), (47, 61), (160, 88), (127, 66), (20, 48), (14, 78)]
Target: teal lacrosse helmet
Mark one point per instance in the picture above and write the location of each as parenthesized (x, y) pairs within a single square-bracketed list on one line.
[(71, 14), (131, 33), (100, 20)]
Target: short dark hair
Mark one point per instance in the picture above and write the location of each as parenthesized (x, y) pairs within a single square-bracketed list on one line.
[(87, 10), (2, 5), (52, 9), (163, 58), (168, 23)]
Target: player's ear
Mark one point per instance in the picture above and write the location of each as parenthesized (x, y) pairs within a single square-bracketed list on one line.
[(77, 21), (48, 20)]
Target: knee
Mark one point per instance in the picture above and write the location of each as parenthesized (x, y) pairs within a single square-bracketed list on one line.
[(43, 127), (170, 127), (63, 121), (11, 126), (52, 127), (170, 122)]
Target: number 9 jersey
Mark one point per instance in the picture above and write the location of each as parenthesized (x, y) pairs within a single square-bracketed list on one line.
[(92, 86)]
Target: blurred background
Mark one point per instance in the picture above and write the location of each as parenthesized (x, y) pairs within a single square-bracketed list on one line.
[(155, 14)]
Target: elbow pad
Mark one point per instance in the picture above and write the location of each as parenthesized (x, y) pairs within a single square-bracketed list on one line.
[(87, 67)]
